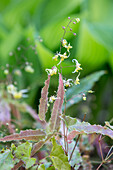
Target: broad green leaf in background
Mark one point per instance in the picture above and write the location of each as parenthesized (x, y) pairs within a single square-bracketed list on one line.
[(18, 12), (10, 42), (73, 93), (55, 10), (53, 33), (59, 159), (6, 160)]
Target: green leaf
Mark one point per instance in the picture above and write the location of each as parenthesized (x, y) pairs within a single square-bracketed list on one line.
[(51, 10), (76, 157), (73, 94), (30, 162), (23, 152), (41, 167), (69, 121), (60, 160), (6, 160)]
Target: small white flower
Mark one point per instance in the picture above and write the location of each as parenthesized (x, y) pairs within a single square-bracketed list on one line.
[(78, 20), (11, 88), (52, 71), (29, 69), (67, 83), (6, 72), (63, 56), (52, 99), (56, 57), (84, 97), (68, 47), (77, 81), (17, 72), (64, 42), (77, 66)]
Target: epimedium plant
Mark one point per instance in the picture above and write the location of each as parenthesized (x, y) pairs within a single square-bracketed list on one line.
[(61, 135)]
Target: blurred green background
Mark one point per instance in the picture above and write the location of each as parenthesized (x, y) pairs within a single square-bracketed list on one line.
[(21, 20)]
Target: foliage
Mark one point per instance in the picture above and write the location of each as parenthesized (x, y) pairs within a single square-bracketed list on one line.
[(57, 139)]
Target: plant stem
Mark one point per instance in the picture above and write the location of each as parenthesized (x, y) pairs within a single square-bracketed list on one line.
[(99, 166), (76, 142)]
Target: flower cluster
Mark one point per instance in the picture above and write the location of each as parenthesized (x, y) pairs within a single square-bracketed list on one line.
[(62, 56)]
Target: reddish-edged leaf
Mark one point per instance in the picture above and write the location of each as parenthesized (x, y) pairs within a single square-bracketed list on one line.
[(57, 107), (33, 135), (87, 128), (39, 145), (44, 100)]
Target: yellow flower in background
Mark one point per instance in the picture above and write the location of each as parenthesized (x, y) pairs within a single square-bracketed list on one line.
[(77, 66), (84, 98), (17, 95)]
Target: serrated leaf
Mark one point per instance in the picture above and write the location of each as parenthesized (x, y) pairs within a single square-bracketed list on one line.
[(57, 107), (23, 152), (6, 160), (59, 159), (39, 145), (44, 100), (33, 135), (73, 93), (69, 121), (87, 128)]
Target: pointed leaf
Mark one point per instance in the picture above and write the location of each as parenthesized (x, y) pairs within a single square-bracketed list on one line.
[(57, 107), (87, 128), (73, 94), (69, 121), (33, 135), (44, 100), (60, 160), (23, 152), (39, 145)]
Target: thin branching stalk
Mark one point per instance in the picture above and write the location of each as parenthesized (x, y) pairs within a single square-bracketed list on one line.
[(76, 142), (100, 148)]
